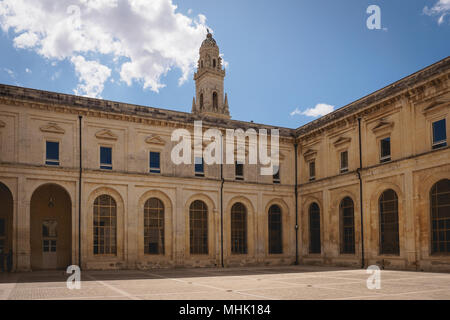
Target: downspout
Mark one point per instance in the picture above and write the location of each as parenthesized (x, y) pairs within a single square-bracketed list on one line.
[(361, 194), (79, 197), (296, 204), (222, 180)]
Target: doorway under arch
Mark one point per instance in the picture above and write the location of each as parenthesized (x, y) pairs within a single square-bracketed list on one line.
[(50, 228)]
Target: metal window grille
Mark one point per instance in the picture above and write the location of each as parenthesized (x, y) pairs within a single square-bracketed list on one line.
[(275, 230), (198, 227), (440, 217), (347, 209), (154, 226), (238, 229), (105, 225), (314, 228), (389, 236)]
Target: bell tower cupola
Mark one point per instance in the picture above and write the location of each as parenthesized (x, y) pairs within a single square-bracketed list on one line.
[(210, 98)]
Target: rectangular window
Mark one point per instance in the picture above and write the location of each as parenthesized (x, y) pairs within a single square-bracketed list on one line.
[(344, 161), (155, 162), (385, 150), (439, 134), (106, 158), (312, 171), (239, 170), (276, 175), (52, 153), (199, 167)]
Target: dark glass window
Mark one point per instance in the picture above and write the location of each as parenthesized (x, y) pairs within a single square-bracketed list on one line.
[(106, 158), (439, 134), (199, 167), (215, 101), (344, 161), (312, 170), (275, 230), (276, 175), (389, 238), (105, 225), (198, 227), (239, 170), (385, 151), (440, 217), (52, 153), (314, 228), (347, 221), (2, 227), (154, 226), (238, 229), (155, 164)]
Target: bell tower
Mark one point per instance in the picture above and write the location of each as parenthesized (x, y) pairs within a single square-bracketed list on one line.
[(210, 98)]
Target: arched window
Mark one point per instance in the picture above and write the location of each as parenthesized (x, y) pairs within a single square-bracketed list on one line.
[(440, 217), (389, 238), (201, 63), (347, 224), (238, 229), (314, 228), (154, 226), (215, 102), (275, 230), (105, 225), (214, 63), (198, 227)]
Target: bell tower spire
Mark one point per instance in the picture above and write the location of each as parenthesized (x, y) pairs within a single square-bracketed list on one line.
[(210, 97)]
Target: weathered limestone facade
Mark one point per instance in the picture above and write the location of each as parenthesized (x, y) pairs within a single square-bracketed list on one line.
[(33, 192)]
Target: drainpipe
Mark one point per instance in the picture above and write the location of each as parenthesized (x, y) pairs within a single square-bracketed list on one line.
[(79, 197), (296, 205), (222, 180), (361, 194)]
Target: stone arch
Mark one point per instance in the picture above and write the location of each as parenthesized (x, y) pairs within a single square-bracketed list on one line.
[(168, 226), (50, 227), (6, 226), (251, 224), (375, 216), (89, 223), (422, 204), (212, 224)]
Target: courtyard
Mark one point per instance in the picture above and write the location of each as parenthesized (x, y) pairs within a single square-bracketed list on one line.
[(256, 283)]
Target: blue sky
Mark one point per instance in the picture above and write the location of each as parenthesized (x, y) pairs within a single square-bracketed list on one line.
[(282, 56)]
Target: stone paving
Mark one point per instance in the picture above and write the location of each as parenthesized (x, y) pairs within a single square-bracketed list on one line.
[(259, 283)]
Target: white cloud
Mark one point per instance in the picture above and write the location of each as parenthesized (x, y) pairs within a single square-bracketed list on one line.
[(441, 9), (319, 110), (146, 38), (10, 72), (91, 75)]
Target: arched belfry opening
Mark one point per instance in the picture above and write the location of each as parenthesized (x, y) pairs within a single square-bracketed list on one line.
[(6, 228), (215, 101), (50, 228)]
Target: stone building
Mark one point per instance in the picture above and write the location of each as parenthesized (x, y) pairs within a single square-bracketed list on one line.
[(91, 182)]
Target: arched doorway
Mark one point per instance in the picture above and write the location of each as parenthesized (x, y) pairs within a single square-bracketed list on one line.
[(51, 228), (6, 228)]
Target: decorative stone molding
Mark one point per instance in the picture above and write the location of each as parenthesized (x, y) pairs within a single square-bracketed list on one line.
[(436, 104), (52, 128), (310, 154), (106, 134), (2, 124), (342, 142), (383, 126), (155, 139)]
